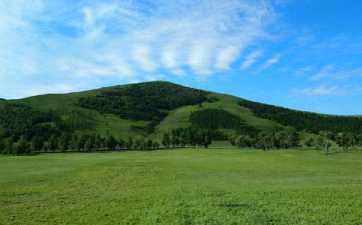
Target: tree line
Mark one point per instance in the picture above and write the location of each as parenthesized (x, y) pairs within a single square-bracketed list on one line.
[(267, 140), (176, 138), (73, 142), (289, 138)]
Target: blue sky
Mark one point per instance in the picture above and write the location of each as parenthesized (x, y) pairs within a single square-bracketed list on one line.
[(302, 54)]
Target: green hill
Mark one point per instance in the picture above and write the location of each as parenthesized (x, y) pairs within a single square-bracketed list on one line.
[(152, 109)]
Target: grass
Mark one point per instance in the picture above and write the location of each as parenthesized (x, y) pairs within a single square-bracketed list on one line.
[(186, 187)]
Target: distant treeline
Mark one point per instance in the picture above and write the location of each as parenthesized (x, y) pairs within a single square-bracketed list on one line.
[(311, 122), (285, 139), (73, 142), (90, 143)]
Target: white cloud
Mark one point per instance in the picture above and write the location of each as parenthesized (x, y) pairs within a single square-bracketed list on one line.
[(142, 56), (251, 59), (200, 57), (226, 57), (170, 56), (273, 60)]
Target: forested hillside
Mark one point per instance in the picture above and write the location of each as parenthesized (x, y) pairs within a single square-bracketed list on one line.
[(159, 114), (143, 101), (300, 120)]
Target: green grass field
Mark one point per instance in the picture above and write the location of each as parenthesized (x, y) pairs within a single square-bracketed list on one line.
[(187, 187)]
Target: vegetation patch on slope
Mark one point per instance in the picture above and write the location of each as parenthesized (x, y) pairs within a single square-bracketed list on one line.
[(22, 120), (300, 120), (214, 119), (144, 101)]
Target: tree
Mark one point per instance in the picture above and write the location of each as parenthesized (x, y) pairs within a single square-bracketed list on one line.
[(88, 145), (149, 144), (166, 140), (22, 147), (244, 141), (46, 146), (36, 144), (309, 142), (206, 139), (156, 145), (345, 140), (292, 140), (111, 143), (81, 142), (9, 146), (53, 141), (175, 137), (2, 146), (265, 141), (138, 145), (98, 143), (74, 145), (129, 144), (64, 142), (324, 142), (121, 143)]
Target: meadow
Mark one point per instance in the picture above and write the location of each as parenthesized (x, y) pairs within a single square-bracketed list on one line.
[(182, 187)]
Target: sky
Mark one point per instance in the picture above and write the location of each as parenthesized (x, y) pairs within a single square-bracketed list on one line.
[(301, 54)]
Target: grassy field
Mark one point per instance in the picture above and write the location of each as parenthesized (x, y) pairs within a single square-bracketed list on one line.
[(187, 187)]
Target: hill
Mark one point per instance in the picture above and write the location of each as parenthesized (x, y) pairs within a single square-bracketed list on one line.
[(152, 109)]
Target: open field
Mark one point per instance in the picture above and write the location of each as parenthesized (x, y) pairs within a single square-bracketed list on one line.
[(187, 187)]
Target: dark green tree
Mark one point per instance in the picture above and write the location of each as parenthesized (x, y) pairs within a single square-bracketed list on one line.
[(54, 143), (2, 146), (156, 145), (130, 143), (111, 143), (22, 147), (243, 141), (74, 145), (206, 139), (64, 142), (149, 144), (36, 144), (166, 140)]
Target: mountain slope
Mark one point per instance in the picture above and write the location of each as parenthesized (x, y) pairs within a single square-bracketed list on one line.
[(152, 109)]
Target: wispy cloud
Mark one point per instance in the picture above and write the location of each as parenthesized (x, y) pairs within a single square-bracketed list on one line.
[(251, 59), (320, 91), (326, 90), (127, 39), (336, 73), (325, 71), (270, 62)]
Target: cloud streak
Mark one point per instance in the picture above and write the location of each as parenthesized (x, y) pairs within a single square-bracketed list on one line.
[(270, 62), (251, 59)]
